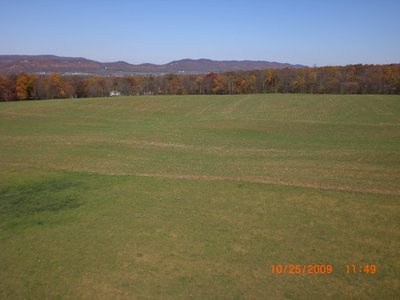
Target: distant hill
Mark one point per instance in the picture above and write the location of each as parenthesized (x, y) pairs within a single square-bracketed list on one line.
[(77, 65)]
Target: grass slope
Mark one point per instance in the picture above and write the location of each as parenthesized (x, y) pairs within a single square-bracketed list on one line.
[(196, 196)]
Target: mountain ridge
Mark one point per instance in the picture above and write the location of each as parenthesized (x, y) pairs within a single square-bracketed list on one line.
[(43, 64)]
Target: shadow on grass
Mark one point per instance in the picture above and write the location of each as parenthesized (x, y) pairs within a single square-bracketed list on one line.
[(51, 195), (38, 202)]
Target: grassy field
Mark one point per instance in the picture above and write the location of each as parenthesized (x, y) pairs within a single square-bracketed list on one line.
[(197, 196)]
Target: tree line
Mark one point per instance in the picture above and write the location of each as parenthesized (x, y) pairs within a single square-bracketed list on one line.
[(352, 79)]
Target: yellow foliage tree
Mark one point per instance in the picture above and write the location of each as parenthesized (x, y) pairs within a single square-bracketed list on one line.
[(25, 86)]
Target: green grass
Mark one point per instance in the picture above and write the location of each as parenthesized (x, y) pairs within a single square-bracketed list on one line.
[(196, 196)]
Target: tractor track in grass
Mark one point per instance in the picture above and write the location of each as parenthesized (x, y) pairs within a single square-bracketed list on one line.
[(243, 179), (271, 181)]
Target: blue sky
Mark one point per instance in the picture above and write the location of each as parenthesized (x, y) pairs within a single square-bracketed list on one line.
[(310, 32)]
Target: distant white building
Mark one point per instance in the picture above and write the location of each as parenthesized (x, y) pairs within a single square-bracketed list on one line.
[(115, 94)]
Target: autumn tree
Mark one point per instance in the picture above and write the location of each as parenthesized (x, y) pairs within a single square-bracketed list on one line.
[(312, 80), (174, 84), (7, 89), (96, 87), (22, 84), (240, 85), (271, 81), (350, 79), (125, 86), (25, 86), (57, 86), (199, 85), (43, 87), (329, 80), (137, 85), (391, 79), (78, 86), (219, 84), (251, 83)]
